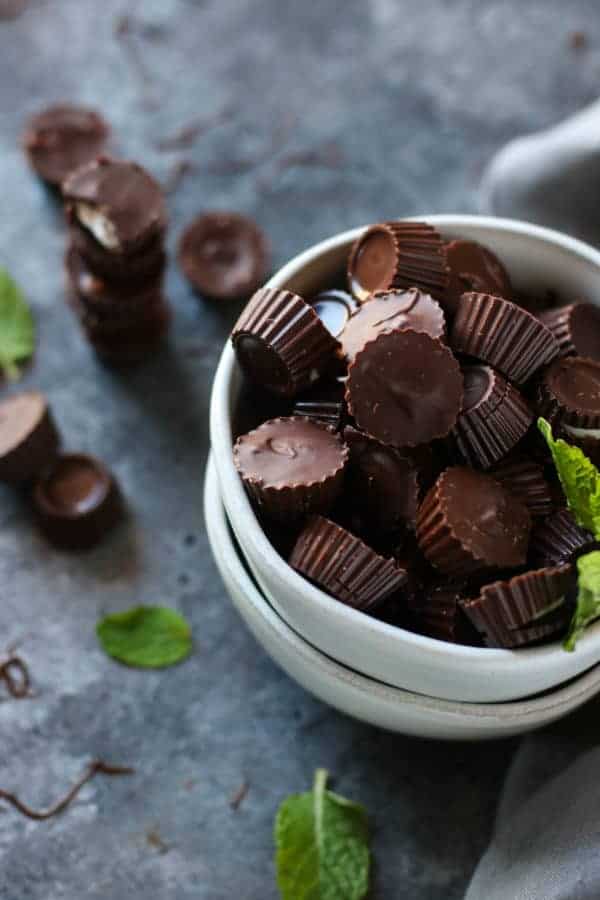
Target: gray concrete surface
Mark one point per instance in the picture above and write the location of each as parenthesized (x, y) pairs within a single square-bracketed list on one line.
[(398, 105)]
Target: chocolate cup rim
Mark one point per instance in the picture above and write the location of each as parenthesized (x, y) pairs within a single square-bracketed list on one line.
[(260, 483), (569, 415), (43, 503)]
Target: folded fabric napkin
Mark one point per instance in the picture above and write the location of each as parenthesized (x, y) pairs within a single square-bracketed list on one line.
[(551, 177), (546, 842)]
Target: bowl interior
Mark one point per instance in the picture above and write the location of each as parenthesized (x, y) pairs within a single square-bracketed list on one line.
[(538, 259)]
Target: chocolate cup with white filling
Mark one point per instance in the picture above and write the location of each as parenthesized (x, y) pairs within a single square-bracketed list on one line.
[(76, 501), (502, 334), (281, 343), (473, 268), (576, 328), (29, 440), (558, 539), (124, 271), (493, 420), (343, 566), (291, 467), (116, 201), (391, 311), (405, 388), (468, 522), (398, 255), (524, 609), (334, 308)]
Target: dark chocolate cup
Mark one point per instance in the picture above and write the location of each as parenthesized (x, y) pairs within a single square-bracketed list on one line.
[(502, 334), (293, 501), (451, 540), (324, 403), (568, 394), (106, 300), (487, 431), (524, 609), (343, 566), (281, 343), (576, 329), (416, 258), (438, 614), (524, 478), (35, 447), (77, 526), (144, 264), (558, 540)]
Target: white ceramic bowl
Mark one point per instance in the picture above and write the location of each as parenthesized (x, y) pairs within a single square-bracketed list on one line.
[(537, 258), (362, 697)]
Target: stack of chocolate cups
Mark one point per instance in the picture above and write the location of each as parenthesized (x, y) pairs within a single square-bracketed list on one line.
[(115, 259), (404, 470)]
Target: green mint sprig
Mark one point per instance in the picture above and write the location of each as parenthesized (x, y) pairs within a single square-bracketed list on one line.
[(17, 332), (148, 637), (322, 846), (580, 480)]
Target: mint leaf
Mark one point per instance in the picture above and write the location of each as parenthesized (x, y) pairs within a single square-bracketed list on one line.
[(322, 846), (580, 480), (588, 597), (17, 338), (149, 637)]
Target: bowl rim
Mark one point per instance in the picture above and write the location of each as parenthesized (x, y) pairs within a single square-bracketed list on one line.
[(246, 521)]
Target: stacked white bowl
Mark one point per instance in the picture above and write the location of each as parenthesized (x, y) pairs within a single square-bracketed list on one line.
[(378, 672)]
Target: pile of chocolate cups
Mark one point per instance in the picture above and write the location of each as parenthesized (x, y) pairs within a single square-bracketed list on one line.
[(116, 259), (404, 477)]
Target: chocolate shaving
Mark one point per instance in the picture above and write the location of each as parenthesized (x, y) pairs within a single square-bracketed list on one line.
[(15, 675), (188, 134), (238, 796), (96, 767)]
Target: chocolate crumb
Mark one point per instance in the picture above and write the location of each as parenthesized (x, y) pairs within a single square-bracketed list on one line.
[(238, 796), (578, 40), (154, 839)]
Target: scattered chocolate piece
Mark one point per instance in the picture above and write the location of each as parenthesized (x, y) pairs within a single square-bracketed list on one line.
[(76, 501), (524, 478), (224, 256), (323, 403), (394, 310), (281, 343), (578, 40), (405, 388), (97, 767), (576, 329), (473, 268), (29, 440), (493, 419), (524, 609), (504, 335), (239, 795), (291, 467), (558, 539), (398, 255), (343, 566), (382, 484), (334, 308), (469, 522), (117, 202), (62, 138)]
